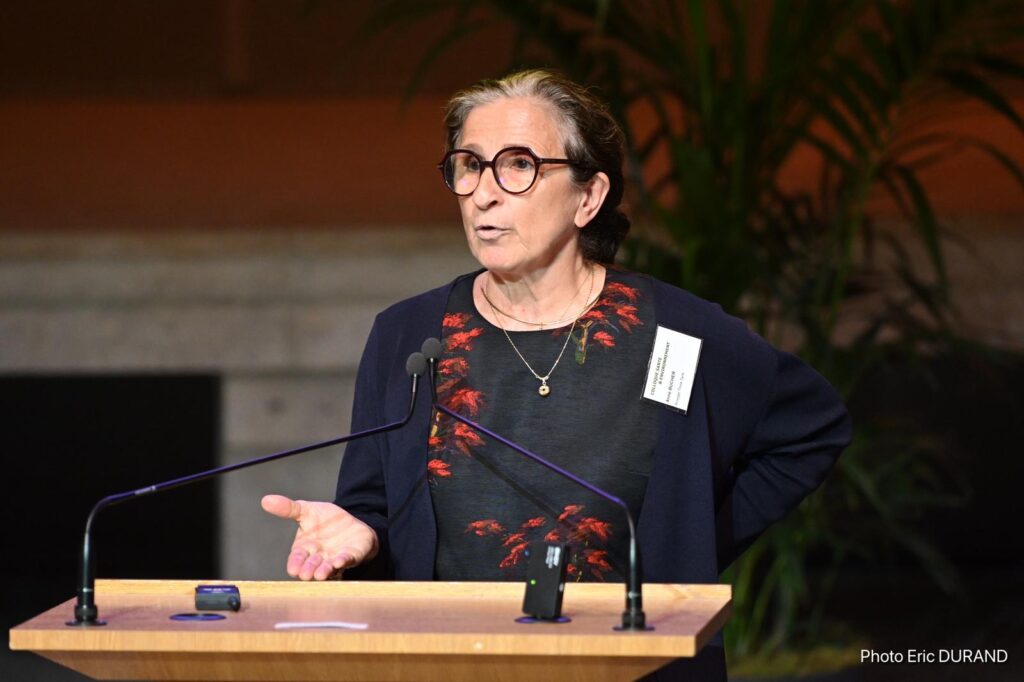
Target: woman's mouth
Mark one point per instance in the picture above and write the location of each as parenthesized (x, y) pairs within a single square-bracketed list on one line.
[(489, 231)]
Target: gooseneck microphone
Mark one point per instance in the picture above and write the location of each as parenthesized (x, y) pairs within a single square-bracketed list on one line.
[(431, 351), (86, 611), (633, 617)]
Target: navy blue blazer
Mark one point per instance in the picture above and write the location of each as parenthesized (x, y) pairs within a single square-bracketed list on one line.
[(762, 431)]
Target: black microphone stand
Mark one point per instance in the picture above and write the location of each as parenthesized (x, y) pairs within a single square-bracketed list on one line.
[(86, 611), (633, 617)]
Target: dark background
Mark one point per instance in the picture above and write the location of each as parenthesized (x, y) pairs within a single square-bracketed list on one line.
[(70, 441)]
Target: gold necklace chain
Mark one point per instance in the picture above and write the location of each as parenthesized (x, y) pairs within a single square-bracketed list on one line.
[(556, 323), (544, 389)]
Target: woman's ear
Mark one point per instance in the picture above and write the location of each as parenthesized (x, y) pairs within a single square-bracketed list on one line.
[(594, 193)]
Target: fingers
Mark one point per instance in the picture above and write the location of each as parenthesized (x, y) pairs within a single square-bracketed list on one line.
[(360, 548), (303, 564), (296, 560), (282, 506), (325, 571), (310, 566), (306, 566), (344, 559)]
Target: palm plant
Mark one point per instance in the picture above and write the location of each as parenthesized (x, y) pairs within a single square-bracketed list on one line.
[(717, 99)]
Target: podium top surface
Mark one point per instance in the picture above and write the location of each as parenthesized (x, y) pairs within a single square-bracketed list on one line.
[(401, 618)]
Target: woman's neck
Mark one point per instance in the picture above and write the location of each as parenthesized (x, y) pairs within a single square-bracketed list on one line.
[(543, 300)]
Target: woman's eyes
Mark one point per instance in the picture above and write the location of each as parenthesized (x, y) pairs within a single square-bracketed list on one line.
[(520, 162), (466, 163)]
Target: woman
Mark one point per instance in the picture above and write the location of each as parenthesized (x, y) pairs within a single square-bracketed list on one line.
[(550, 345)]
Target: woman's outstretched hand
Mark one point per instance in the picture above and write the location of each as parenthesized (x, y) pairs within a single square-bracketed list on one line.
[(328, 540)]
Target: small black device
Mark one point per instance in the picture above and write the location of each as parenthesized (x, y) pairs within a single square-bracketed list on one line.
[(217, 598), (545, 582)]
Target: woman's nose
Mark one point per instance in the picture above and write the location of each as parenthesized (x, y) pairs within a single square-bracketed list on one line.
[(488, 192)]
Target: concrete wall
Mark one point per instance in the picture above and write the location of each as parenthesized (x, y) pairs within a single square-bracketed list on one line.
[(281, 316)]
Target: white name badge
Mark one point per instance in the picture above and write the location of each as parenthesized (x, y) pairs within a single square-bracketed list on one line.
[(672, 368)]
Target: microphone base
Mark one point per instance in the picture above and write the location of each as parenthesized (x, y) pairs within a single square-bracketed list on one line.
[(633, 621), (85, 623), (86, 615)]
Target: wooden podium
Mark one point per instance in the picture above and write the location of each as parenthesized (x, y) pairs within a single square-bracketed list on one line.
[(415, 631)]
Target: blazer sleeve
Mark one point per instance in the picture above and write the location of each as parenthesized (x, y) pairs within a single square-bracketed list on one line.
[(361, 479), (803, 428)]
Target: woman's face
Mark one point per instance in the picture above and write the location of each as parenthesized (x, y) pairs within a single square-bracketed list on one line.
[(515, 235)]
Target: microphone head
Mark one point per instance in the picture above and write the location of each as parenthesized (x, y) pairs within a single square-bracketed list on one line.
[(416, 365), (432, 349)]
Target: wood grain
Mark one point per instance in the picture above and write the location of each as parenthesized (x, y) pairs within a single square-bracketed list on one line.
[(417, 631)]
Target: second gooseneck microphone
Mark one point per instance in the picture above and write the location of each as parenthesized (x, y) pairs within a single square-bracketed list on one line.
[(633, 617)]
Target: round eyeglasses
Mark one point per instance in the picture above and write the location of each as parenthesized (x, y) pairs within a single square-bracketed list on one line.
[(515, 169)]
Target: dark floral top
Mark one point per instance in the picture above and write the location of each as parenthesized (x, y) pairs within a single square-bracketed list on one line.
[(491, 502)]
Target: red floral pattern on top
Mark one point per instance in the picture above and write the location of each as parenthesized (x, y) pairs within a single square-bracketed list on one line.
[(446, 435), (485, 527), (462, 340), (614, 312), (438, 467), (621, 290), (455, 320), (605, 339), (571, 527)]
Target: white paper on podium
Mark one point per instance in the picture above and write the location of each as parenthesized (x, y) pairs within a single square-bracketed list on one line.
[(298, 625)]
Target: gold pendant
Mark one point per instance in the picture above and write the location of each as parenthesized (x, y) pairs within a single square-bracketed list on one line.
[(544, 388)]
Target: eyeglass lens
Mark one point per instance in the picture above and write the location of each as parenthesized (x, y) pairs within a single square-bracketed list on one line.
[(514, 169)]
